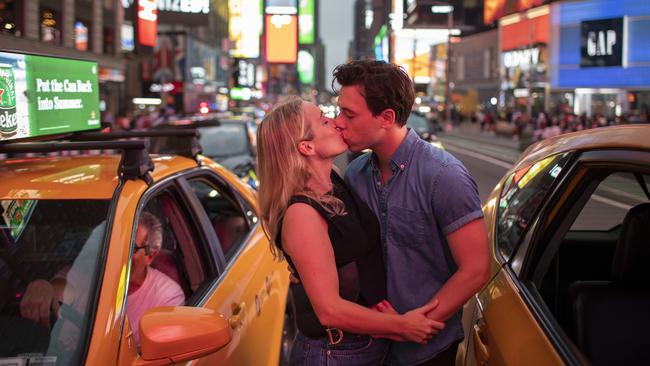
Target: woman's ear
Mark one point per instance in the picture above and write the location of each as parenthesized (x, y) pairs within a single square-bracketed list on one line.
[(306, 148)]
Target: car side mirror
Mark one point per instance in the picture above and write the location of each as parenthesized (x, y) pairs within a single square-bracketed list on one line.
[(170, 335)]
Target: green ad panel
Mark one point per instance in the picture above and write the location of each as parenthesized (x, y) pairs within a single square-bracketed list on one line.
[(306, 22), (305, 67), (44, 95)]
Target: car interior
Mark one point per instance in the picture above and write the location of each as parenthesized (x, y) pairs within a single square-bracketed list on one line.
[(182, 257), (597, 284), (179, 257)]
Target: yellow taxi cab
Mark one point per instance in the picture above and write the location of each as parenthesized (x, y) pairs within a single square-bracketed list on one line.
[(569, 227), (76, 218)]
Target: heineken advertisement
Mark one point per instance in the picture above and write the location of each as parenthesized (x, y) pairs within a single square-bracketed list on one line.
[(45, 95)]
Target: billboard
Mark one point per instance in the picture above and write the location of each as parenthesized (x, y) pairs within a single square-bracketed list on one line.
[(147, 23), (306, 22), (190, 12), (306, 66), (495, 9), (281, 7), (245, 27), (45, 95), (281, 39)]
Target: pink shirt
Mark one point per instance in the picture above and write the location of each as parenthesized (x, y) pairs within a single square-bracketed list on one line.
[(156, 290)]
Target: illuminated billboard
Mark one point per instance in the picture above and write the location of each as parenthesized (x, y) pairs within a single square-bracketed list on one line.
[(306, 22), (191, 12), (281, 7), (281, 39), (147, 24), (45, 95), (245, 27), (412, 51), (495, 9), (305, 67)]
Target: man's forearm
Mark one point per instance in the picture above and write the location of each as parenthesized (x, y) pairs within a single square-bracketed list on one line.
[(455, 292)]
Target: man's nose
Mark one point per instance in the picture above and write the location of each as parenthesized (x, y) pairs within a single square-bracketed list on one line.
[(338, 122)]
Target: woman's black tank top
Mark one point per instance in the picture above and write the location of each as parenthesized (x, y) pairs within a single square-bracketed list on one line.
[(355, 238)]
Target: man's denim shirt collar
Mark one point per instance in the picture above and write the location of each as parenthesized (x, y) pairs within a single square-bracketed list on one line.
[(400, 158)]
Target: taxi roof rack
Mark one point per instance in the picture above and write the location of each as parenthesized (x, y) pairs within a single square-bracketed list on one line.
[(190, 150), (135, 163)]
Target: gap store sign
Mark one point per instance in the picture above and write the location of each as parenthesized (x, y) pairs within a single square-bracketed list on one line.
[(600, 44)]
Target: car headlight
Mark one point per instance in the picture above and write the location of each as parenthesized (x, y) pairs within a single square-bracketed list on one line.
[(438, 144)]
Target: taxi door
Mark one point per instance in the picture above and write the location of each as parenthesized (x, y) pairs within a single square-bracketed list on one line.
[(251, 288), (504, 331)]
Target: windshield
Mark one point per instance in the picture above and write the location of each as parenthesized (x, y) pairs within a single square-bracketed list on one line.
[(49, 251), (225, 140)]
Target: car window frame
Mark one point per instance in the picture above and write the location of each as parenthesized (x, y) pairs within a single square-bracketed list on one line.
[(586, 165), (522, 246), (188, 206), (520, 266), (238, 199)]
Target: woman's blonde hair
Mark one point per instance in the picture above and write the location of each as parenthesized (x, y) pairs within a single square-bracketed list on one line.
[(283, 170)]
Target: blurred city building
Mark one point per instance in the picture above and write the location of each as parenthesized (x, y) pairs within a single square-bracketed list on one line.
[(76, 29), (181, 55)]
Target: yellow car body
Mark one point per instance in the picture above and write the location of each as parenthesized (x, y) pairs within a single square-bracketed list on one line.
[(248, 290), (525, 314)]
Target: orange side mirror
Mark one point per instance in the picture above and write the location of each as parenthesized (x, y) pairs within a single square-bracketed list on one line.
[(181, 333)]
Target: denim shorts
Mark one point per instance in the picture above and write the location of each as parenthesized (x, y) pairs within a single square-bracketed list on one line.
[(353, 350)]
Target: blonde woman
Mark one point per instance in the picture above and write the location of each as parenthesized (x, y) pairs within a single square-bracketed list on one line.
[(332, 240)]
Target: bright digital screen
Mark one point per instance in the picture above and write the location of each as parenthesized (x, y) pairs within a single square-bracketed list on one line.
[(305, 67), (495, 9), (281, 39), (281, 7), (147, 22), (306, 22), (245, 27), (127, 38), (46, 95)]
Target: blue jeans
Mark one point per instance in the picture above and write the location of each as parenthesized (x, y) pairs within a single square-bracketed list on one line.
[(353, 350)]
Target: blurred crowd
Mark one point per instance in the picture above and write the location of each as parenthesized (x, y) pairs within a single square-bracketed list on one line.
[(545, 125)]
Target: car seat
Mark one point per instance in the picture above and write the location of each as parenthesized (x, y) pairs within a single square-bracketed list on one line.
[(611, 318)]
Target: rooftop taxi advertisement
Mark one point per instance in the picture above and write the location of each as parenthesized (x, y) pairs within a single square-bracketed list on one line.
[(45, 95)]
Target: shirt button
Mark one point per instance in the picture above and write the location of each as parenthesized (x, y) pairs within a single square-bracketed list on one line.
[(383, 214), (402, 166)]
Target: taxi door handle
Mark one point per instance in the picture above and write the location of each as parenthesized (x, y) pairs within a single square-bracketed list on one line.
[(236, 319), (481, 350)]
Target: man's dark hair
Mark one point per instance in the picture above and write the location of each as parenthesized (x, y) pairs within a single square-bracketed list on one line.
[(383, 85)]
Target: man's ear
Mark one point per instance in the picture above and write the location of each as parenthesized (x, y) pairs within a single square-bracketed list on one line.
[(306, 148), (387, 117)]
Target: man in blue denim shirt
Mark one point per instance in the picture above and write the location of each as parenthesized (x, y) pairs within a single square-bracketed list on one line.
[(432, 226)]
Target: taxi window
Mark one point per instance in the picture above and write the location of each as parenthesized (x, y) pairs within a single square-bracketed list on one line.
[(523, 193), (228, 222), (49, 252)]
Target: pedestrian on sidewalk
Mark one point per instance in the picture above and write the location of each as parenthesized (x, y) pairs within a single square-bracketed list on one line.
[(432, 228)]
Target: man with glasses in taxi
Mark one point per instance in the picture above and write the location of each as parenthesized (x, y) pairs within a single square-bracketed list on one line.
[(148, 287)]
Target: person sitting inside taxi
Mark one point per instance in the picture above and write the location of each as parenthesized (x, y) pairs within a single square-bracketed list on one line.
[(148, 287)]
